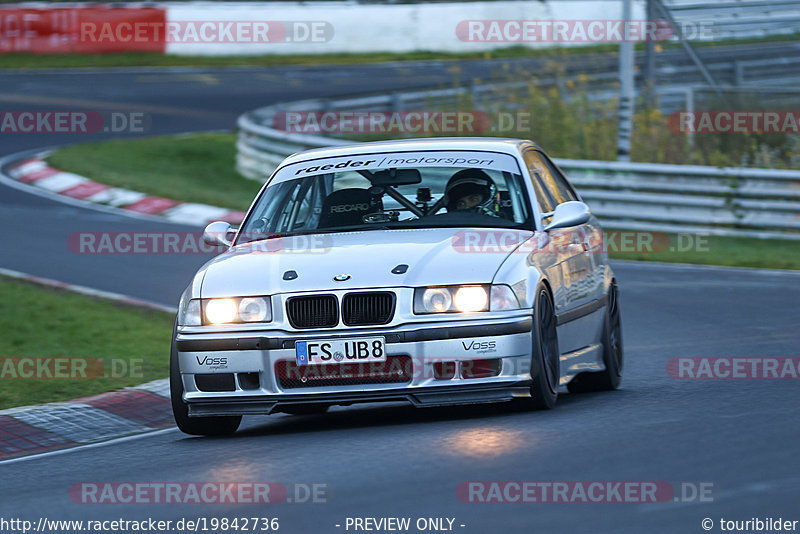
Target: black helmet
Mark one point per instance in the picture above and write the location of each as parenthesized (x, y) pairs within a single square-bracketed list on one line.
[(472, 182)]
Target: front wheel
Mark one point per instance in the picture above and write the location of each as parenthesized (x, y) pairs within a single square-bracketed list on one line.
[(545, 357), (610, 378), (196, 426)]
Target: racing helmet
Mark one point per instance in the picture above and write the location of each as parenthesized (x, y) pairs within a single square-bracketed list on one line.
[(471, 182)]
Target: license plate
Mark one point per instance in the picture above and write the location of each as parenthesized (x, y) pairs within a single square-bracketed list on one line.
[(363, 349)]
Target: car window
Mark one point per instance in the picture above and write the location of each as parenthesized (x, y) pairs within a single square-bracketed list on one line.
[(562, 189), (414, 192), (539, 175)]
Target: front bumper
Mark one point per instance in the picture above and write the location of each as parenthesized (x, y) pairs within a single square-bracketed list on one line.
[(506, 342)]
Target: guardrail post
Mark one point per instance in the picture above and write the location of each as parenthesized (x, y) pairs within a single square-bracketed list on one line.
[(475, 91), (690, 109), (624, 130), (738, 73), (397, 101), (650, 61)]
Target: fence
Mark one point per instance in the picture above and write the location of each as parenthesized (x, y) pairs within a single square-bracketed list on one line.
[(762, 203)]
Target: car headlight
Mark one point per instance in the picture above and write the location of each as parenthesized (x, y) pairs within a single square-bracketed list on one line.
[(220, 311), (471, 299), (254, 310), (464, 299), (451, 299), (225, 311), (504, 298), (189, 313), (435, 300)]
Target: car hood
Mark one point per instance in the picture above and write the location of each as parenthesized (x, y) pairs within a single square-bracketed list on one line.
[(434, 256)]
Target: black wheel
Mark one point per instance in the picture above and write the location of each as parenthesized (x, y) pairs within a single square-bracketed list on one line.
[(196, 426), (545, 357), (611, 377)]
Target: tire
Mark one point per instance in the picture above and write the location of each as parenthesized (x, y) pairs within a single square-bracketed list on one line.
[(610, 378), (196, 426), (545, 356)]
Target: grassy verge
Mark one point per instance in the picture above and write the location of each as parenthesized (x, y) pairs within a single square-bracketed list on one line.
[(42, 323), (148, 59), (720, 250), (195, 168)]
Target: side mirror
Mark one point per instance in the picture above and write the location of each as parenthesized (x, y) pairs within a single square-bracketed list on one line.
[(570, 213), (216, 233)]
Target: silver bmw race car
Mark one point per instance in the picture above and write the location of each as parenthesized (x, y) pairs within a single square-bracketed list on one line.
[(428, 271)]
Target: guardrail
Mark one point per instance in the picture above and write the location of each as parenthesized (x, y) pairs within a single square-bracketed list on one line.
[(762, 203), (739, 18)]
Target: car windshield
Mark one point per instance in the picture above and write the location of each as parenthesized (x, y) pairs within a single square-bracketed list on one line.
[(430, 189)]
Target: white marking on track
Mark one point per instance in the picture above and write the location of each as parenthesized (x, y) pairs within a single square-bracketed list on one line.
[(88, 446)]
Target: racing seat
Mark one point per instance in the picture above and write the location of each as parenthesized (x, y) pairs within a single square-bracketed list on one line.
[(346, 207)]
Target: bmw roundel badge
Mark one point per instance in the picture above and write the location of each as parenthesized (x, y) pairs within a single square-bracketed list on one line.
[(341, 277)]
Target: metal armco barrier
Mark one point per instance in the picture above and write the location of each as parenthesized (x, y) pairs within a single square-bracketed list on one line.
[(762, 203)]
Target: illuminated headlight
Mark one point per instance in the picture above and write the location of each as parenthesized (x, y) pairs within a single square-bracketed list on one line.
[(464, 299), (471, 299), (451, 299), (225, 311), (221, 311)]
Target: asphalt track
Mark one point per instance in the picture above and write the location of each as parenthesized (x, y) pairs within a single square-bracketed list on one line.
[(739, 435)]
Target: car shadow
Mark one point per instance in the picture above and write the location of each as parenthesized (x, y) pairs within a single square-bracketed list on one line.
[(377, 415)]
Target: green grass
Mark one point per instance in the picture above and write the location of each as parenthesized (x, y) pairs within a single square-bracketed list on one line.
[(149, 59), (722, 250), (39, 322), (194, 168)]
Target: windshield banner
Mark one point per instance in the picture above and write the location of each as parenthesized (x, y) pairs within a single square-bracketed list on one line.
[(429, 158)]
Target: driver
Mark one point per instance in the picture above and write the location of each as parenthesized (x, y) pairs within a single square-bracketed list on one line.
[(472, 191)]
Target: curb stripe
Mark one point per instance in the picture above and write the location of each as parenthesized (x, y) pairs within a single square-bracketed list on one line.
[(233, 217), (85, 190), (17, 437), (39, 174), (152, 205), (78, 422), (148, 409), (61, 181), (35, 171)]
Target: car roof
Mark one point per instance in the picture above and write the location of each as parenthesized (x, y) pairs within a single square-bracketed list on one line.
[(492, 144)]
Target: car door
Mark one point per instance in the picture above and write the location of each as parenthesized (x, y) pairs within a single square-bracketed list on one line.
[(572, 268)]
